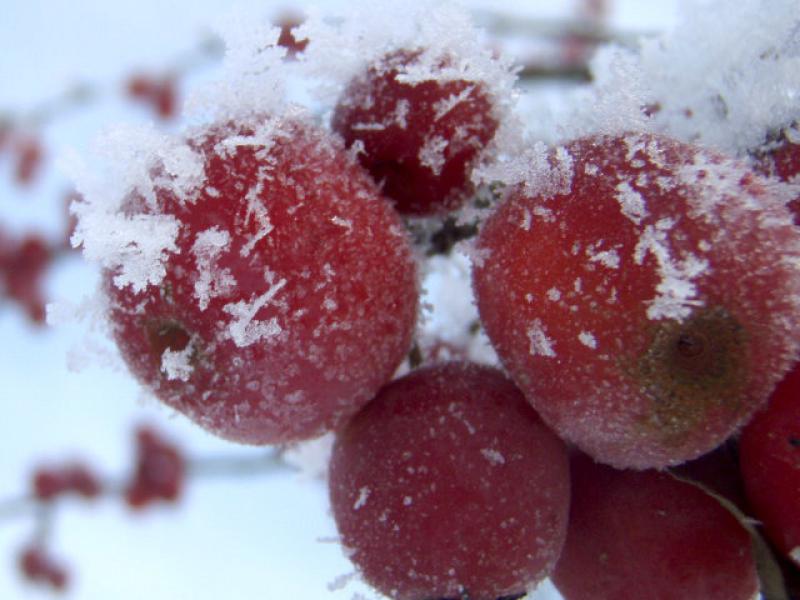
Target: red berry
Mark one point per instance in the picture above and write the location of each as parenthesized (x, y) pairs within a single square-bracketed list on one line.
[(37, 566), (23, 265), (645, 534), (769, 453), (29, 157), (291, 296), (646, 304), (159, 473), (421, 138), (50, 482), (159, 92), (448, 485), (82, 481), (165, 99), (140, 86)]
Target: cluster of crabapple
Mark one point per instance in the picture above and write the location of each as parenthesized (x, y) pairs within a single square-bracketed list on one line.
[(643, 304), (157, 476)]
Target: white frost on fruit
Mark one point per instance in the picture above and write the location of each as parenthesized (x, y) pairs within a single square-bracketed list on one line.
[(254, 77), (493, 456), (445, 105), (587, 339), (607, 258), (244, 329), (536, 168), (744, 75), (431, 154), (553, 294), (128, 166), (134, 247), (176, 364), (363, 496), (540, 344), (675, 292), (450, 48), (631, 202), (212, 281)]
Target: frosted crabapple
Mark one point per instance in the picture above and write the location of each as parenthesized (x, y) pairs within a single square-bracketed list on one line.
[(644, 530), (448, 485), (288, 296), (769, 454), (645, 298), (419, 131)]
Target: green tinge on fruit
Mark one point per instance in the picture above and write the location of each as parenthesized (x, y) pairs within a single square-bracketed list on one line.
[(690, 368)]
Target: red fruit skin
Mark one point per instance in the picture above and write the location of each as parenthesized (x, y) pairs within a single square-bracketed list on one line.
[(448, 484), (644, 534), (401, 128), (783, 161), (316, 255), (648, 306), (769, 456)]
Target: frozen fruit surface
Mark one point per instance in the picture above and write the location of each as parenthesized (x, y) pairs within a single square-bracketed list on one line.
[(647, 301), (287, 295), (644, 534), (418, 133), (448, 485), (782, 160), (769, 455)]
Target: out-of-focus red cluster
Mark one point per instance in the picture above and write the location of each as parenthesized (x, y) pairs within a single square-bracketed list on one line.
[(39, 567), (75, 478), (289, 21), (159, 473), (23, 263), (25, 150), (160, 92)]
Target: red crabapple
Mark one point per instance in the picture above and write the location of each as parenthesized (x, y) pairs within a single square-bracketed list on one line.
[(631, 531), (448, 485), (649, 304), (290, 296), (418, 137), (769, 455)]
